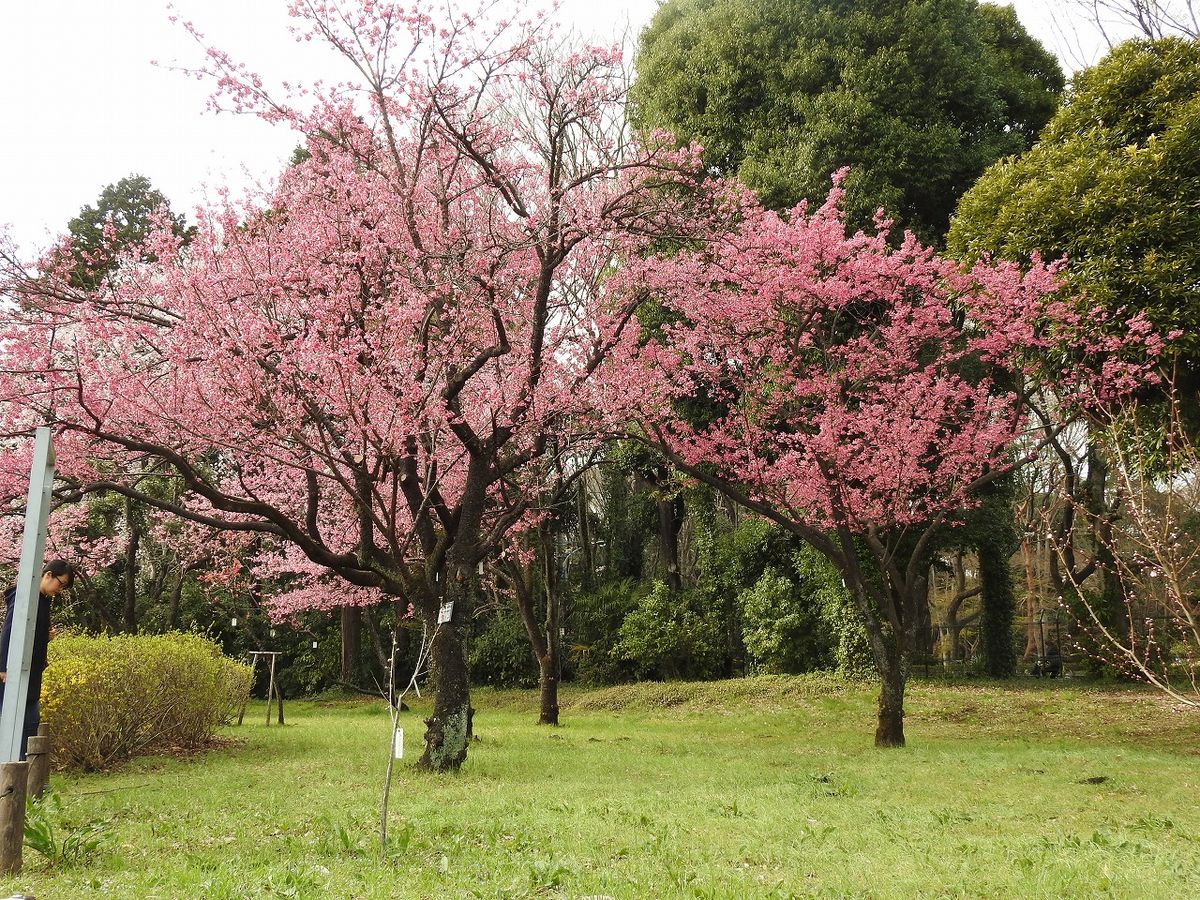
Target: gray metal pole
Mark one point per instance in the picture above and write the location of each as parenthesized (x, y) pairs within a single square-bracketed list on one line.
[(29, 576)]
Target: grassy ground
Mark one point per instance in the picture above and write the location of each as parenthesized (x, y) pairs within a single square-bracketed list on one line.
[(756, 788)]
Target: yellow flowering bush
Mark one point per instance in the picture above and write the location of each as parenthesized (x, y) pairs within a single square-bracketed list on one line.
[(109, 698)]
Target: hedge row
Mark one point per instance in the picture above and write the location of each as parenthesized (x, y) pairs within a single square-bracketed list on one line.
[(109, 698)]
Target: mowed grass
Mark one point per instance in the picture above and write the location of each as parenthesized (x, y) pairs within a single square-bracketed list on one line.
[(762, 787)]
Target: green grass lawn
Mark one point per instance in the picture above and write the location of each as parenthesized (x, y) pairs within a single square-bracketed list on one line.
[(756, 788)]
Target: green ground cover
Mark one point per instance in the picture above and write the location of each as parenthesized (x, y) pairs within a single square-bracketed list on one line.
[(755, 788)]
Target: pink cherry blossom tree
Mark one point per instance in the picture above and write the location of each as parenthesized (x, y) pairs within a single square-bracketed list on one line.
[(357, 367), (860, 394)]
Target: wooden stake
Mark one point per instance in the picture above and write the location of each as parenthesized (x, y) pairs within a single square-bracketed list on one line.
[(13, 776), (271, 690), (38, 755)]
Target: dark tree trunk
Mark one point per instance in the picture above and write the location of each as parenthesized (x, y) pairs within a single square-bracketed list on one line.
[(996, 622), (670, 520), (351, 621), (133, 522), (889, 730), (924, 624), (587, 552), (176, 599), (448, 729), (1111, 603), (548, 662)]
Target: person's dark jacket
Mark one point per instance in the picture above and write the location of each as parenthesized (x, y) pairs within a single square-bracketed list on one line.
[(41, 639)]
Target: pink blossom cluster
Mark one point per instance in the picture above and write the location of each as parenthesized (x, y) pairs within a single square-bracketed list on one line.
[(847, 382)]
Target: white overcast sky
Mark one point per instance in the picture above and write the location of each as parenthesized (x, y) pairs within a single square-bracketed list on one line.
[(82, 106)]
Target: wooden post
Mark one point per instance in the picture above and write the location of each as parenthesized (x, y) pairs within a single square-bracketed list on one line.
[(13, 776), (279, 694), (271, 689), (38, 755)]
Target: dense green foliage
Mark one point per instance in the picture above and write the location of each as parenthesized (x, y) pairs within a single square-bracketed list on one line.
[(107, 699), (917, 97), (122, 217), (1114, 186), (500, 655)]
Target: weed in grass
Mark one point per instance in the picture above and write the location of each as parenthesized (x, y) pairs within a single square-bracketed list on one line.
[(338, 839), (296, 881), (60, 840), (399, 839), (547, 874), (731, 810), (813, 832)]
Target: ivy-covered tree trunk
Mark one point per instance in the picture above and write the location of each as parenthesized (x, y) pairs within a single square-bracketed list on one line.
[(447, 730), (671, 513), (587, 550)]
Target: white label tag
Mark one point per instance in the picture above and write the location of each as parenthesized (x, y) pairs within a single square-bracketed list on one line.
[(445, 612), (398, 744)]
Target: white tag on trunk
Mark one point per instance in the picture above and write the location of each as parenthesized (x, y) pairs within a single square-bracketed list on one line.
[(398, 744), (445, 612)]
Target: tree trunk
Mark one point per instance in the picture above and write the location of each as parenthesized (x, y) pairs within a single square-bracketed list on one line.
[(670, 519), (1111, 603), (176, 599), (996, 623), (1031, 646), (351, 621), (131, 566), (548, 662), (587, 552), (447, 730), (924, 624), (889, 731), (891, 656)]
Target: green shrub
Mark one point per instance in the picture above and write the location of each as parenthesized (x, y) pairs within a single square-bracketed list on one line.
[(107, 699), (851, 651), (666, 636), (594, 630), (501, 655), (783, 629)]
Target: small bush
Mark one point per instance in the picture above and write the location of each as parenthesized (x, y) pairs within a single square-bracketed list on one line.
[(666, 637), (501, 656), (784, 632), (107, 699)]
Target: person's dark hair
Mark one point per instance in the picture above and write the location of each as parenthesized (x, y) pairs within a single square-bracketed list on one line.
[(58, 568)]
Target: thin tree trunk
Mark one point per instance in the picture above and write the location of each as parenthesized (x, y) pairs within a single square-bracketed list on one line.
[(1031, 647), (548, 662), (351, 622), (176, 599), (130, 619), (587, 552)]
